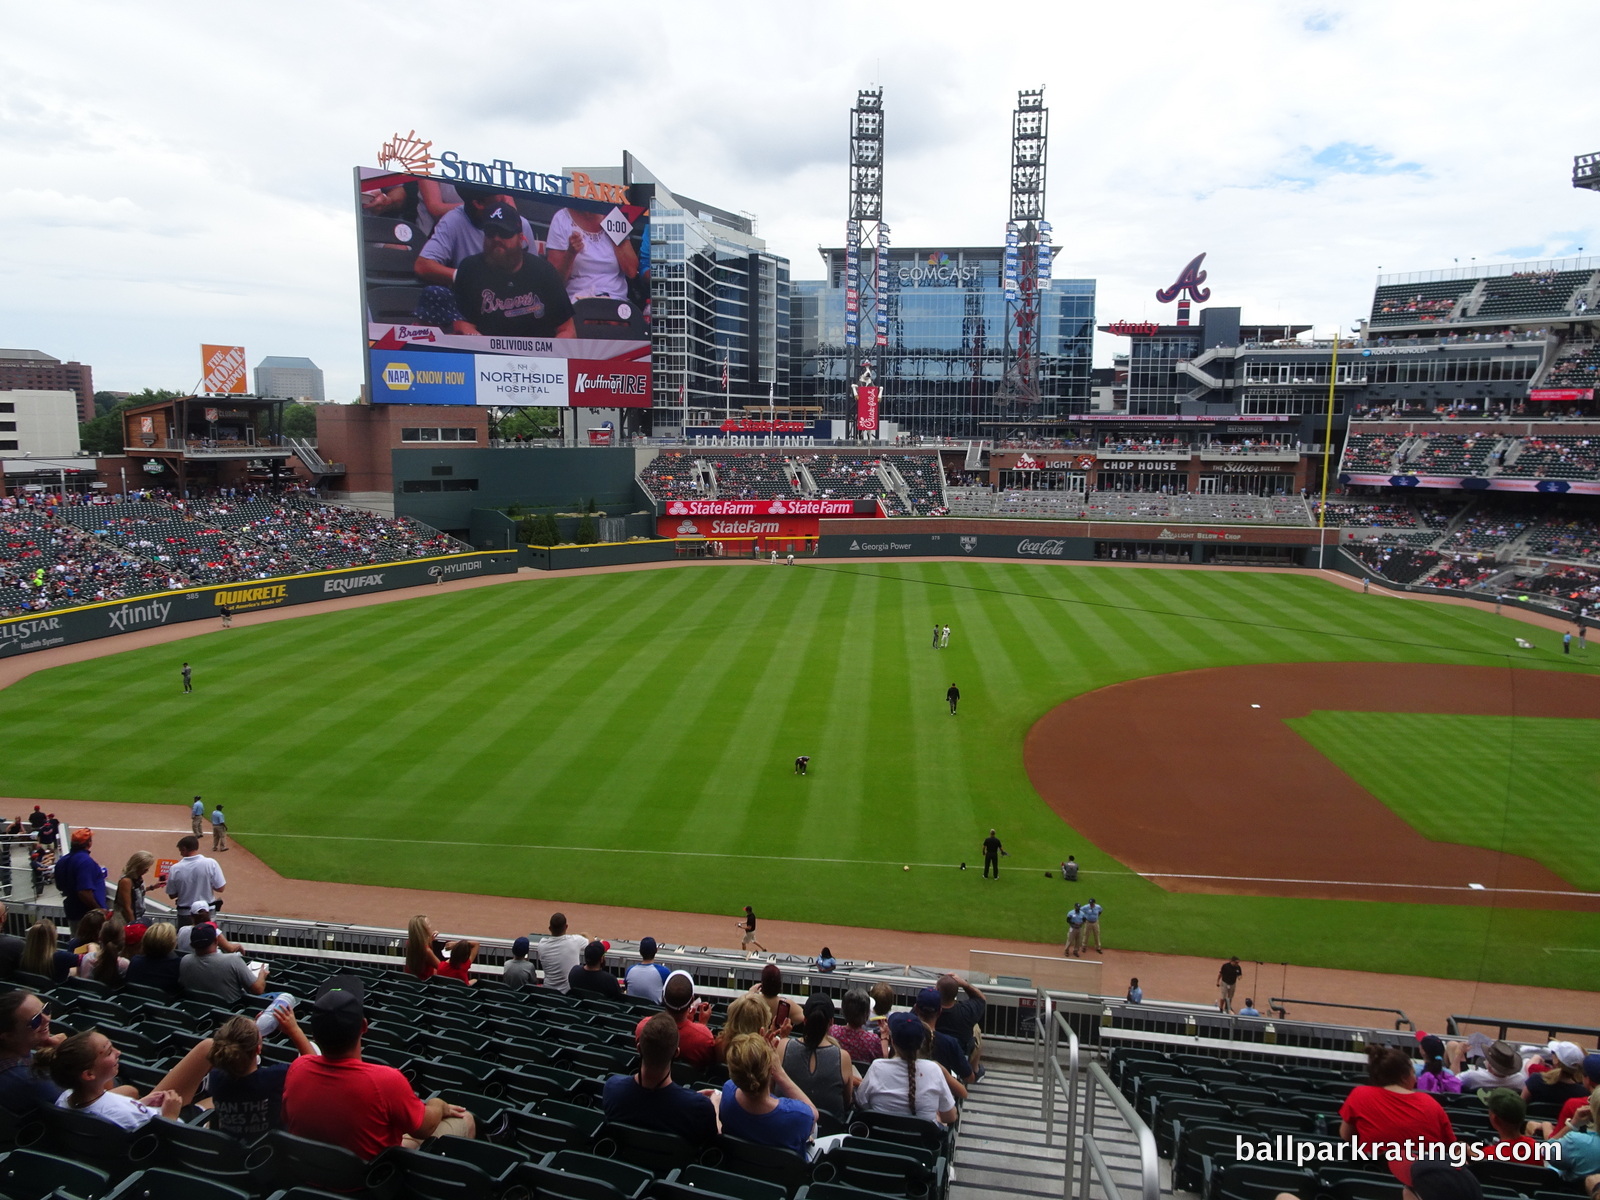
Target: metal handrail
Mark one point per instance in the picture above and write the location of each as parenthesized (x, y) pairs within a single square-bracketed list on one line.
[(1055, 1024), (1505, 1025), (1149, 1166), (1277, 1005)]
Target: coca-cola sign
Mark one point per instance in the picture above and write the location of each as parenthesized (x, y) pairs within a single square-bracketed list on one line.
[(764, 508), (1049, 548)]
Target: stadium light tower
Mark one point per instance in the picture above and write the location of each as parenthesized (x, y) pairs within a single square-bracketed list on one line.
[(1586, 172), (866, 313), (1028, 250)]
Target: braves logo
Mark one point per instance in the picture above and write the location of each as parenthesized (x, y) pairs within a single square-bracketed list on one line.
[(1189, 280)]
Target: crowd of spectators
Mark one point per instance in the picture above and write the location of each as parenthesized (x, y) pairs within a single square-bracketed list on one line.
[(55, 553)]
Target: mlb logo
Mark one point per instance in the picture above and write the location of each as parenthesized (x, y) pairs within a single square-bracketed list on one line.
[(968, 543)]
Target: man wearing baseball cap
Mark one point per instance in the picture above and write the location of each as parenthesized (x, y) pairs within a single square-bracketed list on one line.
[(1508, 1116), (81, 880), (696, 1043), (946, 1050), (505, 291), (519, 972), (364, 1107)]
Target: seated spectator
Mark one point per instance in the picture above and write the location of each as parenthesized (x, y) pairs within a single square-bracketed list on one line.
[(962, 1017), (214, 973), (1580, 1145), (760, 1103), (42, 954), (818, 1065), (84, 1066), (1250, 1010), (201, 913), (946, 1050), (519, 973), (560, 952), (826, 963), (1502, 1066), (650, 1099), (781, 1011), (882, 994), (647, 977), (24, 1030), (1508, 1117), (908, 1083), (463, 954), (696, 1045), (423, 948), (590, 977), (247, 1094), (1562, 1080), (1591, 1080), (104, 961), (86, 933), (364, 1107), (747, 1014), (1390, 1109), (1135, 992), (156, 964), (1435, 1076), (862, 1044)]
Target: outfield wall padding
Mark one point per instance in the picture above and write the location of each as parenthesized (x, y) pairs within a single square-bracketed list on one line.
[(603, 554), (66, 627)]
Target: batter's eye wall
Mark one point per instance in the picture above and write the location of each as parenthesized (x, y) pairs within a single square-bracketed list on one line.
[(559, 477)]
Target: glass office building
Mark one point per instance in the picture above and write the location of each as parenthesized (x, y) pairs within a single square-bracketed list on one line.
[(718, 298), (943, 368)]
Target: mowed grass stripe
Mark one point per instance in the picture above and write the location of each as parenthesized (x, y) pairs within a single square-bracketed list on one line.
[(662, 710)]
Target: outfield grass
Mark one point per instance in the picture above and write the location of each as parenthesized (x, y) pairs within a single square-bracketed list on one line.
[(627, 739)]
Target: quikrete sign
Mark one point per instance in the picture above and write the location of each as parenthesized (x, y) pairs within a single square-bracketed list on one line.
[(108, 618)]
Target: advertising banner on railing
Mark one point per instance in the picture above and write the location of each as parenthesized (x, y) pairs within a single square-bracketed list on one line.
[(792, 507), (1558, 395), (1560, 487), (736, 527), (41, 631)]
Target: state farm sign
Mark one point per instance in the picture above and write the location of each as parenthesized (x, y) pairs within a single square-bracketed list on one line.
[(763, 508)]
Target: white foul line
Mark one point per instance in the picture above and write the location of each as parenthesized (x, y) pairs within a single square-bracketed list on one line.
[(859, 862)]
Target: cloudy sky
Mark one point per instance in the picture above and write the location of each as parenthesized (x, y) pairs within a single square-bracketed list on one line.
[(179, 173)]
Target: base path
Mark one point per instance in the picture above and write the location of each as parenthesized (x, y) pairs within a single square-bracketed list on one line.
[(1196, 780)]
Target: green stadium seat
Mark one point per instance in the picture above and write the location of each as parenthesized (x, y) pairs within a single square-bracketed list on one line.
[(33, 1175)]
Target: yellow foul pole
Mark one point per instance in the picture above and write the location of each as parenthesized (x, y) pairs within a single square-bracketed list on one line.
[(1327, 454)]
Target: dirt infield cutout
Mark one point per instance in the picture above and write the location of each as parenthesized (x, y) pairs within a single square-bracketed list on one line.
[(1183, 779)]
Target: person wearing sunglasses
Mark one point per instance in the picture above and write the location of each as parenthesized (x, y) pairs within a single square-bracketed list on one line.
[(24, 1028)]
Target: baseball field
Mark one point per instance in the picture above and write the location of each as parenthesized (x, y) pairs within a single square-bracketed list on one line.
[(628, 739)]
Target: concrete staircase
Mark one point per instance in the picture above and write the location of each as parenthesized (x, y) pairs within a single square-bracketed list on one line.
[(1002, 1150)]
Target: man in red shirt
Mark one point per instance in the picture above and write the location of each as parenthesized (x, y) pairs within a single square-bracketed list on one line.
[(1508, 1116), (364, 1107), (697, 1045)]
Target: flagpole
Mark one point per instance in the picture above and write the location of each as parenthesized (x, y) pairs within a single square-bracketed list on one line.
[(727, 395)]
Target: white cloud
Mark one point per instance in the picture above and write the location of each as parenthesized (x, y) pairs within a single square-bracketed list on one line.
[(178, 174)]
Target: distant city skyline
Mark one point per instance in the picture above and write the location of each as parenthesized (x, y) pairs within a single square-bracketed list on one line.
[(1303, 146)]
